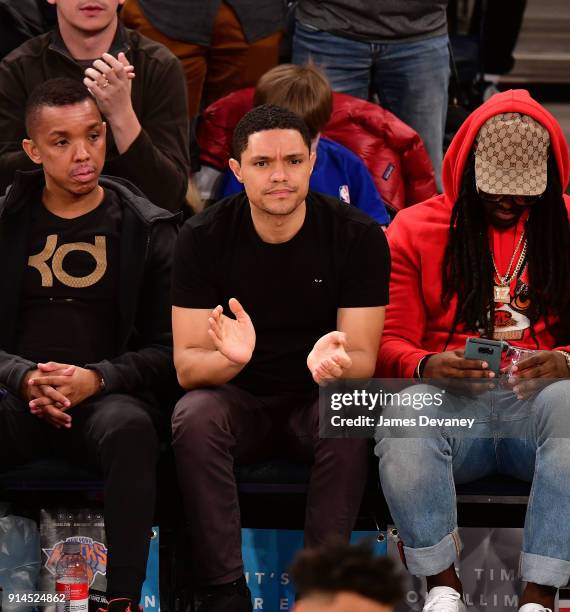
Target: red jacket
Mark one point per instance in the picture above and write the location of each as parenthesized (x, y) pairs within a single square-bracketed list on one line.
[(393, 152), (416, 322)]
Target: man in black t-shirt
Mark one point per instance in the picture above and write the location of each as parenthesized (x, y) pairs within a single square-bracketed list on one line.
[(306, 278), (84, 322)]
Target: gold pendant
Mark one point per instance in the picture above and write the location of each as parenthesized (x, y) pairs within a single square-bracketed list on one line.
[(502, 294)]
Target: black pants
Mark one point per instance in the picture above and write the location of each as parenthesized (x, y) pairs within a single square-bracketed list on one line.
[(213, 426), (497, 24), (115, 434)]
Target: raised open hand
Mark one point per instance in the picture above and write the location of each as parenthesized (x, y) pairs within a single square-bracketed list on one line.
[(329, 358), (234, 338)]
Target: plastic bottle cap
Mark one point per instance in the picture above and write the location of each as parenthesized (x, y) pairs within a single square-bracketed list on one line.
[(71, 548)]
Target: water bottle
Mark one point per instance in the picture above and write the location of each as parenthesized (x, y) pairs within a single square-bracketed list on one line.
[(71, 579)]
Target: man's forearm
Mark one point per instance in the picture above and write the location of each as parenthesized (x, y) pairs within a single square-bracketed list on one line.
[(143, 162), (13, 370), (126, 128), (363, 365), (197, 367)]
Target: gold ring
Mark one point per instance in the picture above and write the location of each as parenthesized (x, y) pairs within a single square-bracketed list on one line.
[(105, 84)]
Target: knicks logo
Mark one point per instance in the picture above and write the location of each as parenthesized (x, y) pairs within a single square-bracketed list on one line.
[(94, 553), (98, 251)]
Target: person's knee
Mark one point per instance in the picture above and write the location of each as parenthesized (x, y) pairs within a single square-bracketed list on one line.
[(559, 461), (403, 461), (347, 452), (131, 428), (197, 415), (552, 410)]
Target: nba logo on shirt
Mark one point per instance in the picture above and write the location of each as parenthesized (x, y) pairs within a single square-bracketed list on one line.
[(344, 194)]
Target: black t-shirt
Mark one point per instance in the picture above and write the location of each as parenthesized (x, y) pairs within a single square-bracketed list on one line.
[(338, 259), (68, 301)]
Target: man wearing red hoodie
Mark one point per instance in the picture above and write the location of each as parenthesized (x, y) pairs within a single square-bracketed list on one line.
[(489, 257)]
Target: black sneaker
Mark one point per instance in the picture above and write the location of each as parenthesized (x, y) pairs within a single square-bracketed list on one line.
[(232, 597)]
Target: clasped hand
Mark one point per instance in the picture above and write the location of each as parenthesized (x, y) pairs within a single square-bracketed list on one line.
[(109, 81), (53, 388)]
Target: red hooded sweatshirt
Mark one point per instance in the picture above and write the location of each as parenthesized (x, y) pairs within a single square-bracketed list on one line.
[(416, 322)]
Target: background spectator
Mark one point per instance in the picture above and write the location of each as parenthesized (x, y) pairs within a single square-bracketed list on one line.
[(223, 45), (338, 577), (498, 25), (148, 136), (388, 48), (338, 172), (23, 19)]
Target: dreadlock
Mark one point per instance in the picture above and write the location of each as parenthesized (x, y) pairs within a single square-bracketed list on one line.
[(468, 269)]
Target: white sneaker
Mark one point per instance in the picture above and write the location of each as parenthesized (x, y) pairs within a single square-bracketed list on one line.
[(444, 599), (532, 607)]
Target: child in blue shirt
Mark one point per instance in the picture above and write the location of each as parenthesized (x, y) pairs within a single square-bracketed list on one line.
[(338, 171)]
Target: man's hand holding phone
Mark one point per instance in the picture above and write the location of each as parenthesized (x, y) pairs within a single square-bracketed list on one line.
[(466, 375), (453, 364)]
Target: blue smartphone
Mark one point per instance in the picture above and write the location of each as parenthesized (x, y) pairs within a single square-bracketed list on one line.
[(490, 351)]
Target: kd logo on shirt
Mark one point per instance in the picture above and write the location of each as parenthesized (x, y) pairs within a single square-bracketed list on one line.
[(98, 251)]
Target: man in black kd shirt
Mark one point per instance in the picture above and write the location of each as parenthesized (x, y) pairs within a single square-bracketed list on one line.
[(306, 280), (84, 321), (67, 311)]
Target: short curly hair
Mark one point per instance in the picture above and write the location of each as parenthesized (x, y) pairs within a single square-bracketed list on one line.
[(62, 91), (337, 567), (267, 117)]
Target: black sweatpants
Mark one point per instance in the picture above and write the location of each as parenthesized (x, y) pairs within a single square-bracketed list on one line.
[(116, 434)]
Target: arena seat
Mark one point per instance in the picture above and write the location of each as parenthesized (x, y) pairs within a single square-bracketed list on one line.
[(282, 476), (274, 476), (49, 475), (496, 489)]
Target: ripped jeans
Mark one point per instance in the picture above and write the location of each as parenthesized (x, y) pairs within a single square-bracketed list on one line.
[(418, 475)]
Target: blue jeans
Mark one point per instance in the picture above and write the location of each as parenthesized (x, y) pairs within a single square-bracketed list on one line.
[(418, 475), (409, 78)]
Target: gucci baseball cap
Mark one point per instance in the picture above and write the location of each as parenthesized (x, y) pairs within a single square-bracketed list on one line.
[(511, 154)]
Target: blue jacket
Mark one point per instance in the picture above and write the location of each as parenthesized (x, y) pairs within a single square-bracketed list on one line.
[(338, 173)]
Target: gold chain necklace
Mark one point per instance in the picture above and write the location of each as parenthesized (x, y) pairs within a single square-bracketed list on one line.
[(501, 291)]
